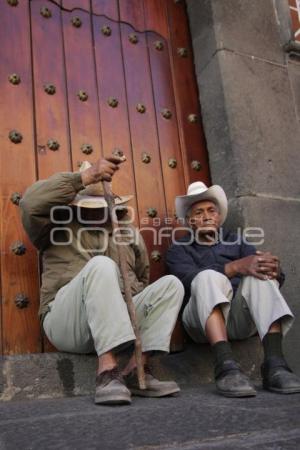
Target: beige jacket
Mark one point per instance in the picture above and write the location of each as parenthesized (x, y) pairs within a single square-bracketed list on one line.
[(67, 247)]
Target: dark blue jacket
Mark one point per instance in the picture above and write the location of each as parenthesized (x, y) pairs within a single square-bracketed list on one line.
[(186, 260)]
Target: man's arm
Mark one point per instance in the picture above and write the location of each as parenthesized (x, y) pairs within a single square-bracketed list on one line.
[(58, 190), (262, 265)]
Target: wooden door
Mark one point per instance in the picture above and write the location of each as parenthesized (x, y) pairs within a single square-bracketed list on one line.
[(295, 15), (78, 79)]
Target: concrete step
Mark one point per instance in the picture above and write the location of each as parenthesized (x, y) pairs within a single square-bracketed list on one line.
[(53, 375)]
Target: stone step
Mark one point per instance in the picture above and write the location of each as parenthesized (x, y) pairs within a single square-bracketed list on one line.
[(53, 375)]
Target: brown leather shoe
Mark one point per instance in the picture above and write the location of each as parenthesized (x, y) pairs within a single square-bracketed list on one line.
[(154, 387), (111, 389)]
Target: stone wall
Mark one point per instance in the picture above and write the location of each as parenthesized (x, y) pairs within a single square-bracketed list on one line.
[(250, 99)]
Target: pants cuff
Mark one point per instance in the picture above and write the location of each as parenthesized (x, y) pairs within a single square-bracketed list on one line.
[(111, 346)]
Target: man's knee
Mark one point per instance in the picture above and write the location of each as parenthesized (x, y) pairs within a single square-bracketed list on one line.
[(101, 263), (173, 283), (208, 276), (170, 291), (260, 284)]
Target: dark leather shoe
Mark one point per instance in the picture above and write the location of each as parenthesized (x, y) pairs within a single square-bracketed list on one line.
[(154, 387), (278, 377), (111, 389), (231, 381)]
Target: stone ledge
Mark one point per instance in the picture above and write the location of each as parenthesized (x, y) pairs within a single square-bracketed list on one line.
[(53, 375)]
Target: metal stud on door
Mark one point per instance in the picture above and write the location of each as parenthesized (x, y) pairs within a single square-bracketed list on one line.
[(46, 12), (14, 79), (15, 136), (18, 248), (21, 301), (15, 198)]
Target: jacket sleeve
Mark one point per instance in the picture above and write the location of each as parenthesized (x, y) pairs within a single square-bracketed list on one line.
[(182, 265), (58, 190), (247, 250)]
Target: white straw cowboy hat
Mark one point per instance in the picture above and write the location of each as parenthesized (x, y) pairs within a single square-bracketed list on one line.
[(93, 195), (197, 192)]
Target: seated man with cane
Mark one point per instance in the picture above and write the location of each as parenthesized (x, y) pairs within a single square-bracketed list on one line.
[(82, 308), (233, 293)]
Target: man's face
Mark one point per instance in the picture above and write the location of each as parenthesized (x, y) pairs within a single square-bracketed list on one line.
[(100, 215), (204, 217), (86, 215)]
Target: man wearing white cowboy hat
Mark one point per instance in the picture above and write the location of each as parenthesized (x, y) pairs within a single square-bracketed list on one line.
[(82, 307), (232, 292)]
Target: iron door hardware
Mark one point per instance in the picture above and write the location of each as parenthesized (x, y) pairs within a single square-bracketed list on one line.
[(87, 149), (15, 136), (183, 52), (166, 113), (83, 96), (141, 108), (53, 144), (50, 89), (172, 163), (76, 22), (46, 12), (159, 45), (106, 30), (14, 79), (152, 212), (196, 165), (15, 198), (146, 158), (133, 38), (18, 248), (192, 118), (155, 256), (113, 102), (21, 301)]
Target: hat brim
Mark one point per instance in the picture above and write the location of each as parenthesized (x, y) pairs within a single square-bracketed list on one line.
[(215, 193), (93, 201)]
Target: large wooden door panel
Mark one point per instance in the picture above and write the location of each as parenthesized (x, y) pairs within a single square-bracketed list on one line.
[(51, 111), (112, 98), (19, 269), (84, 116), (96, 75), (186, 94), (144, 137)]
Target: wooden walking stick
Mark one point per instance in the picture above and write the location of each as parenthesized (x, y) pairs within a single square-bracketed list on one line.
[(109, 197)]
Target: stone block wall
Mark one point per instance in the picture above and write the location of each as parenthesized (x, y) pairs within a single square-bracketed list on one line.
[(250, 99)]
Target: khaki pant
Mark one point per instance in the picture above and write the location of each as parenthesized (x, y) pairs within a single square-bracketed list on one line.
[(256, 305), (89, 313)]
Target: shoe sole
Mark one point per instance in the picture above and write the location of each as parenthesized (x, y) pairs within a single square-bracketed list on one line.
[(113, 400), (156, 394), (237, 394), (283, 391)]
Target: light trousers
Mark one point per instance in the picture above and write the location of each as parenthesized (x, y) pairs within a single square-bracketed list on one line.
[(255, 306), (89, 313)]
